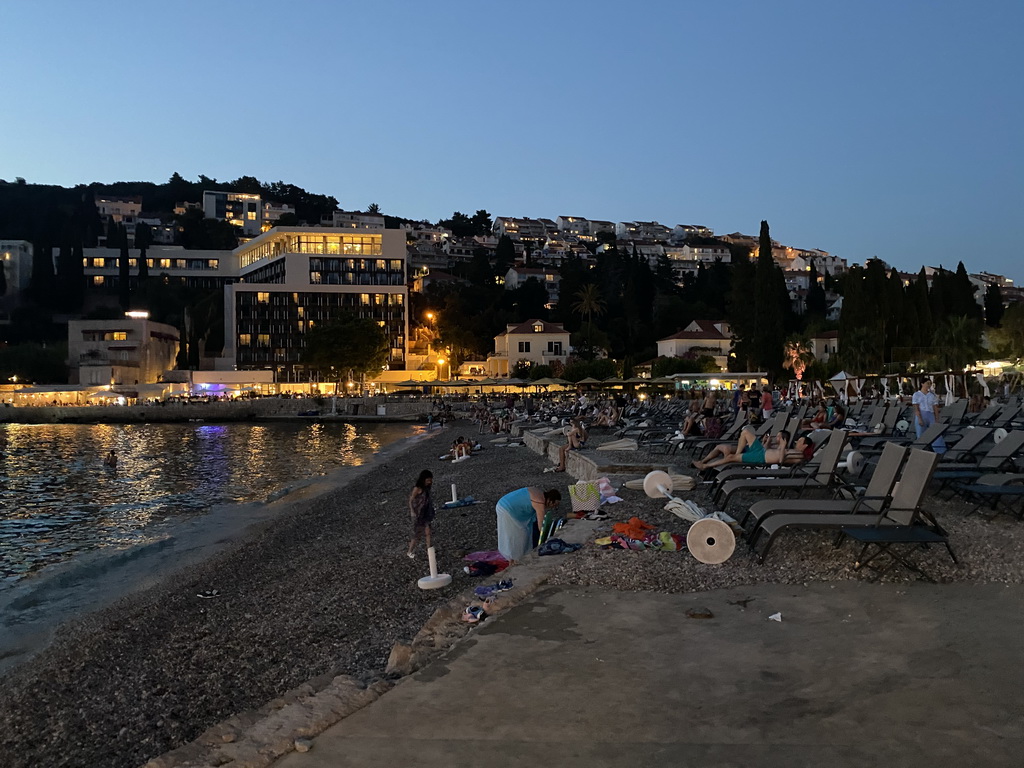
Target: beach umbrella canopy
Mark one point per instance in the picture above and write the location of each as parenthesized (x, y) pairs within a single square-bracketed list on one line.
[(613, 381), (549, 382), (841, 376), (488, 382), (663, 380), (637, 380), (590, 380), (514, 382)]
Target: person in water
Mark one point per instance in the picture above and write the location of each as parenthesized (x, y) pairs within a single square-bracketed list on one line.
[(111, 459)]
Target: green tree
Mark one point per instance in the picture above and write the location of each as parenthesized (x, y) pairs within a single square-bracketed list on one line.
[(741, 311), (346, 347), (817, 304), (123, 275), (768, 331), (3, 280), (143, 239), (993, 306), (531, 299), (1008, 339), (589, 303), (504, 255), (373, 208), (957, 342), (481, 223)]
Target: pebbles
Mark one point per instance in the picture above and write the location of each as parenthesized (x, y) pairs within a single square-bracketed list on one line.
[(324, 589)]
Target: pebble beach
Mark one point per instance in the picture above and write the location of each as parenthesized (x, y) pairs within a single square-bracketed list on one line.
[(325, 589)]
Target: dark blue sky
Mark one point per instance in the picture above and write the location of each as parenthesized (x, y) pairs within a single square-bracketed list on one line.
[(868, 128)]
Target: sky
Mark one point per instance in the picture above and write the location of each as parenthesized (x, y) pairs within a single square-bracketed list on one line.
[(868, 129)]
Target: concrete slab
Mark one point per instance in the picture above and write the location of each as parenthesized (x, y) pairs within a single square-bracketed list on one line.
[(854, 674)]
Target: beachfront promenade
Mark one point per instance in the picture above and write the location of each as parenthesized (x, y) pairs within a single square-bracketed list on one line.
[(855, 674)]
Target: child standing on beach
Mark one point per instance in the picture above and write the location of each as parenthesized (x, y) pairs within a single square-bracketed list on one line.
[(421, 510)]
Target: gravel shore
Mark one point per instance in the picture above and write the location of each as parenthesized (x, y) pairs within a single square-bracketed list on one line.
[(326, 589)]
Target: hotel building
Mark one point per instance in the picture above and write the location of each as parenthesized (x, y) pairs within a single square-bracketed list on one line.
[(292, 279)]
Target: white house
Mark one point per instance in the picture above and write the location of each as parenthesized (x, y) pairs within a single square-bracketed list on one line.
[(535, 341), (701, 337), (549, 278)]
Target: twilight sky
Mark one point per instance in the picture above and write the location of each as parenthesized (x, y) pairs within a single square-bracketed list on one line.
[(865, 129)]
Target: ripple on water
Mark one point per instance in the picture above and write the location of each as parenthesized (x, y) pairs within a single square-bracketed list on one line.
[(58, 500)]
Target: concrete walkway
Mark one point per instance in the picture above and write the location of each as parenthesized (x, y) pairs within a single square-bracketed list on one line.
[(855, 674)]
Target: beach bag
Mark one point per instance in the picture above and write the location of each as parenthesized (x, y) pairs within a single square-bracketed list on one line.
[(585, 496), (713, 427)]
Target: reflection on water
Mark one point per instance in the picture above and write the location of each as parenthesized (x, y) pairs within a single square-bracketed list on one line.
[(58, 499)]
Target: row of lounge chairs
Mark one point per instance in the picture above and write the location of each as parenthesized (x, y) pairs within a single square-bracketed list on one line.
[(887, 517)]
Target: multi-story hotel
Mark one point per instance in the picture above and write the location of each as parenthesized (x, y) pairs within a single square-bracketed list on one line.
[(282, 283), (292, 279)]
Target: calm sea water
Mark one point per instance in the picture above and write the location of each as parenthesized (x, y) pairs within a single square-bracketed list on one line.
[(58, 501)]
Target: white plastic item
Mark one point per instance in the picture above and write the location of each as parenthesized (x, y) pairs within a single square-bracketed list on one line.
[(658, 483), (435, 580), (711, 541)]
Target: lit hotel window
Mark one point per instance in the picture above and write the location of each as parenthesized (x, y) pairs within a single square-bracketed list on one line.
[(263, 297), (263, 339), (244, 339), (97, 280)]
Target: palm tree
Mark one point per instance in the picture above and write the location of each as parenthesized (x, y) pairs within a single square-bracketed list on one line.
[(373, 208), (797, 355), (589, 303)]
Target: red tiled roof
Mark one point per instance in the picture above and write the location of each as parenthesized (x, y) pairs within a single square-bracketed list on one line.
[(527, 327), (708, 331)]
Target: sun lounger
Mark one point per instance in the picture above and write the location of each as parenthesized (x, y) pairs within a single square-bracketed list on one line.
[(855, 501), (820, 478), (903, 509), (997, 459)]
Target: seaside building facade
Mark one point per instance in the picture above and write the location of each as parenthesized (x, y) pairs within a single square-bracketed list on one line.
[(535, 341), (130, 351), (292, 279)]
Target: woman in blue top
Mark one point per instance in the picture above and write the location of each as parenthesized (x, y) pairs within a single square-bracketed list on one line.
[(517, 513)]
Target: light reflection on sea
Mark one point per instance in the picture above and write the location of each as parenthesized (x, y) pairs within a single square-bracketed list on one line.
[(58, 500)]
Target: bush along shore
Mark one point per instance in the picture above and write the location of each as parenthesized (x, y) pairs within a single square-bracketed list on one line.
[(319, 598)]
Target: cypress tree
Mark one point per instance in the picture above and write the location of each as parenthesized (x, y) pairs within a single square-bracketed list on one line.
[(925, 324), (741, 311), (769, 336), (123, 288), (816, 304), (143, 237), (3, 280), (43, 282), (966, 304), (993, 306)]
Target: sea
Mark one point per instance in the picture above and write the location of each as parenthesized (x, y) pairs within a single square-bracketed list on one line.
[(76, 534)]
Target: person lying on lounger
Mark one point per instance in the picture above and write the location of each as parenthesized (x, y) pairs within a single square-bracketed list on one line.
[(751, 450)]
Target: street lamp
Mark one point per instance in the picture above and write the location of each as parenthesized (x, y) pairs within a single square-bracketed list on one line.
[(441, 361)]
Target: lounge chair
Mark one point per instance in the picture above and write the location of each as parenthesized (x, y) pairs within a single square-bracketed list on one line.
[(873, 445), (998, 492), (822, 477), (903, 509), (999, 457), (857, 501), (964, 449)]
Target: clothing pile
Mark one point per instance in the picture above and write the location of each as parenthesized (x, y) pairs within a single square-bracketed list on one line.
[(635, 534), (485, 563)]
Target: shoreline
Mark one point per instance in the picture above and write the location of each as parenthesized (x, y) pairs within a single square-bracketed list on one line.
[(117, 573), (322, 589), (325, 594)]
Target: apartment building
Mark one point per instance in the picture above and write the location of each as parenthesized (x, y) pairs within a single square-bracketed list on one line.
[(132, 350)]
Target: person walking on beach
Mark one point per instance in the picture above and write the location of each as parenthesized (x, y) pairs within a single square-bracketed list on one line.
[(520, 517), (421, 510), (926, 413)]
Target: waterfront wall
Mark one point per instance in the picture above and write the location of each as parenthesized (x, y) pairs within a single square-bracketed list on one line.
[(259, 409)]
